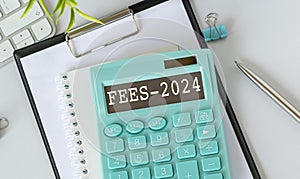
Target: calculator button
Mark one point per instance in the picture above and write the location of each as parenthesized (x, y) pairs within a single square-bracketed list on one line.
[(6, 50), (138, 142), (118, 175), (182, 119), (9, 5), (187, 170), (211, 164), (135, 127), (206, 132), (163, 171), (157, 123), (41, 29), (161, 155), (113, 130), (114, 146), (139, 158), (214, 176), (209, 148), (159, 139), (186, 151), (184, 135), (141, 173), (204, 116), (116, 162)]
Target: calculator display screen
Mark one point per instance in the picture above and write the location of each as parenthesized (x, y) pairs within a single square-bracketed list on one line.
[(154, 92)]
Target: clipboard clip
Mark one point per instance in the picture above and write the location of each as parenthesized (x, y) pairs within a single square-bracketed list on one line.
[(92, 26), (214, 31)]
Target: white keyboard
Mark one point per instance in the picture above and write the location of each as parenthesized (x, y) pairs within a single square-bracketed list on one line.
[(16, 33)]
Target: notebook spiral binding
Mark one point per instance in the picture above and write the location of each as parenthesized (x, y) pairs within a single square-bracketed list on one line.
[(75, 144)]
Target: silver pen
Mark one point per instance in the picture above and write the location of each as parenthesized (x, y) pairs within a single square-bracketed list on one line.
[(270, 91)]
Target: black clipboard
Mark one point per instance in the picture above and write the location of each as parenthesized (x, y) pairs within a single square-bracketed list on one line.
[(141, 6)]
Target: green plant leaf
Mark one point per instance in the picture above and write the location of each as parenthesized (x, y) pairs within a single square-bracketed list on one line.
[(62, 10), (72, 19), (88, 17), (58, 6), (28, 8), (42, 3), (71, 3)]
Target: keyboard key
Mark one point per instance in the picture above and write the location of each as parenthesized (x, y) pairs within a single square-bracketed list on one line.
[(9, 5), (209, 148), (161, 155), (141, 173), (211, 164), (113, 130), (6, 50), (116, 162), (21, 36), (184, 135), (118, 175), (186, 151), (41, 29), (114, 146), (163, 171), (206, 132), (139, 158), (25, 42), (9, 28), (187, 170), (159, 139), (135, 127), (204, 116), (182, 119), (138, 142), (214, 176), (157, 123)]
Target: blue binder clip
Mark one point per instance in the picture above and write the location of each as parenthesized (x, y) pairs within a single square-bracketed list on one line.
[(214, 31)]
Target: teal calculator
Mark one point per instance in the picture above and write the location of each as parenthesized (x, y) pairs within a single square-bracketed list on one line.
[(159, 116)]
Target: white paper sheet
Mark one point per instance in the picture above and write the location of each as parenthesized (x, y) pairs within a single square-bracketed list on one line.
[(160, 26)]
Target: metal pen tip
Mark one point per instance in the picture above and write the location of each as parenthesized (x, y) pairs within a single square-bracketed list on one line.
[(237, 63), (264, 86)]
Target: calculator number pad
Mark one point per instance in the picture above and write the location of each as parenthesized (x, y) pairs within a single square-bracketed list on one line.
[(147, 150)]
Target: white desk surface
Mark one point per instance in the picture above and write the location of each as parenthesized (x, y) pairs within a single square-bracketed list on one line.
[(263, 34)]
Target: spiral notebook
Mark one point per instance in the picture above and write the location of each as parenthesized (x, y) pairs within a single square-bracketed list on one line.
[(145, 27)]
